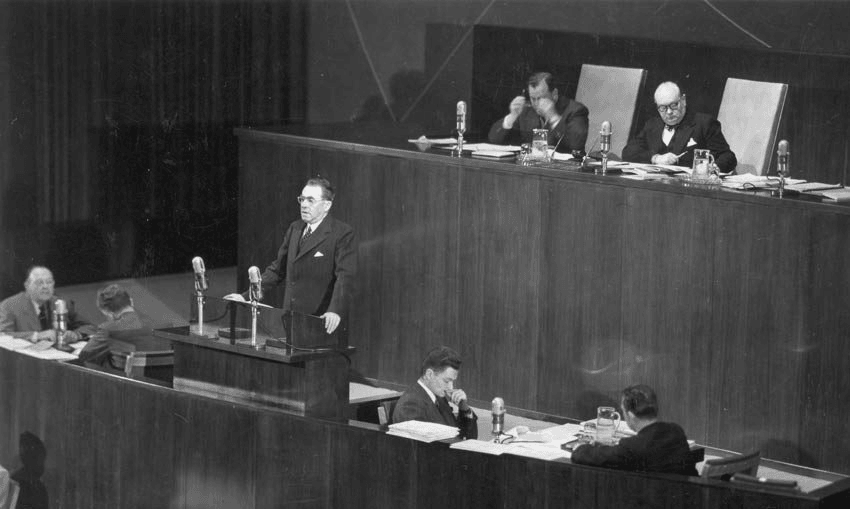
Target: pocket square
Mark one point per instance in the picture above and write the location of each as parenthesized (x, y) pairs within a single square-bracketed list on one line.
[(691, 142), (318, 254)]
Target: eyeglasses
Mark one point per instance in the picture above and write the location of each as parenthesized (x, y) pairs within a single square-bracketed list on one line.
[(309, 199), (663, 108)]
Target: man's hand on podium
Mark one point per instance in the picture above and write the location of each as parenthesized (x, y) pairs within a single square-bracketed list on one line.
[(331, 321)]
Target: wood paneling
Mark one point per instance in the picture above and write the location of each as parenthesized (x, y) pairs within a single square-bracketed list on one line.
[(138, 445), (559, 288)]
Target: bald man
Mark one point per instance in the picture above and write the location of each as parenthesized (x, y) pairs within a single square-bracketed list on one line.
[(30, 314), (672, 136)]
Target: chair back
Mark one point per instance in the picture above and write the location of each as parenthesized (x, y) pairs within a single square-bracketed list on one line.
[(610, 93), (761, 482), (724, 468), (749, 115), (385, 411)]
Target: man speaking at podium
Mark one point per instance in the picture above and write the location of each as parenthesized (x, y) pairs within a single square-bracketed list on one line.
[(317, 261)]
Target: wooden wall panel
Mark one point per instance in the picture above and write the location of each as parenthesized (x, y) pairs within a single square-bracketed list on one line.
[(222, 455), (499, 278), (666, 303), (580, 293), (560, 288)]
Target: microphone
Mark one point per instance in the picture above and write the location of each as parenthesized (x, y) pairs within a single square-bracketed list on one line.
[(200, 274), (605, 137), (782, 159), (461, 117), (60, 314), (498, 411), (255, 293)]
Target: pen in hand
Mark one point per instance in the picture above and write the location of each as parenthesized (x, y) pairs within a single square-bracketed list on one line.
[(680, 155)]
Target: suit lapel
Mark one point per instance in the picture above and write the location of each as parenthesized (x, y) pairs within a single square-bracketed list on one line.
[(316, 238)]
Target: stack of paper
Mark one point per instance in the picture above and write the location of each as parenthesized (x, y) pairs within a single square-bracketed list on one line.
[(842, 194), (423, 431)]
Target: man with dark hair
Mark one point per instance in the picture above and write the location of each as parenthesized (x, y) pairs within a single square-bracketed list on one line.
[(428, 399), (672, 136), (123, 324), (317, 260), (657, 447), (30, 314), (545, 108)]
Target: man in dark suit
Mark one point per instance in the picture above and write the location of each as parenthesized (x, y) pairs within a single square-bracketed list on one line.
[(30, 314), (657, 447), (545, 108), (317, 260), (428, 399), (125, 329), (672, 137)]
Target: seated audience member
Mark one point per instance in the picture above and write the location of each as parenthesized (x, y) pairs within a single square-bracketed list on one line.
[(657, 447), (428, 399), (672, 137), (123, 322), (562, 116), (30, 314)]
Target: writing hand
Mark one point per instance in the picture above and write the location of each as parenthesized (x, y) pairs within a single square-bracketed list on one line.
[(668, 158)]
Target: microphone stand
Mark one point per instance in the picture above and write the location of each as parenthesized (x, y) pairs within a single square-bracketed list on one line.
[(200, 296), (254, 312)]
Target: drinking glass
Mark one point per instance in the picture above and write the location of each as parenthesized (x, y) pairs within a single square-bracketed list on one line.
[(607, 421), (539, 144), (703, 161)]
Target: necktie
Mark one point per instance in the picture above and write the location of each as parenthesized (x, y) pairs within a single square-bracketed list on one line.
[(43, 318), (446, 412), (307, 233)]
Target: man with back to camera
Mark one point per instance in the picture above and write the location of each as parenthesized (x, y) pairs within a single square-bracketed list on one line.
[(657, 447), (428, 399), (30, 314), (124, 325), (672, 137), (545, 108), (317, 260)]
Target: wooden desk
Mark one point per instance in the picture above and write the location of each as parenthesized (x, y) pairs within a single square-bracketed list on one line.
[(559, 287), (308, 383), (138, 445)]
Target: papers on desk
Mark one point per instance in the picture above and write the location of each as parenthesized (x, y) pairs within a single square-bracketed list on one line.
[(434, 141), (237, 297), (423, 431), (489, 147), (750, 181), (41, 349), (544, 444), (811, 187), (842, 194)]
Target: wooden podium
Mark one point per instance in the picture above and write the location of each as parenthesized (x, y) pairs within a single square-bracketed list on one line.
[(310, 382)]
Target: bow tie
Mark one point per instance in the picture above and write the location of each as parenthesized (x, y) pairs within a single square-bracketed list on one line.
[(670, 128)]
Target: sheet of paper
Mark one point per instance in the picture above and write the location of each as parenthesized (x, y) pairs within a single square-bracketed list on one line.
[(434, 141), (480, 446), (10, 343), (477, 147)]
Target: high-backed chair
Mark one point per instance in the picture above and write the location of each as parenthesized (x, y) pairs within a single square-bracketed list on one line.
[(749, 115), (610, 93), (724, 468)]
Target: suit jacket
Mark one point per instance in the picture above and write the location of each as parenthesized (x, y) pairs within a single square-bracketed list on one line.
[(659, 447), (19, 318), (572, 127), (320, 275), (122, 333), (416, 404), (699, 127)]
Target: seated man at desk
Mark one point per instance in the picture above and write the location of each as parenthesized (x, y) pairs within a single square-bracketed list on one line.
[(124, 327), (428, 399), (30, 314), (565, 118), (672, 136), (657, 447)]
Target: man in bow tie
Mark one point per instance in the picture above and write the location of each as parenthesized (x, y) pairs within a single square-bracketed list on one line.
[(317, 260), (672, 137), (428, 399)]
